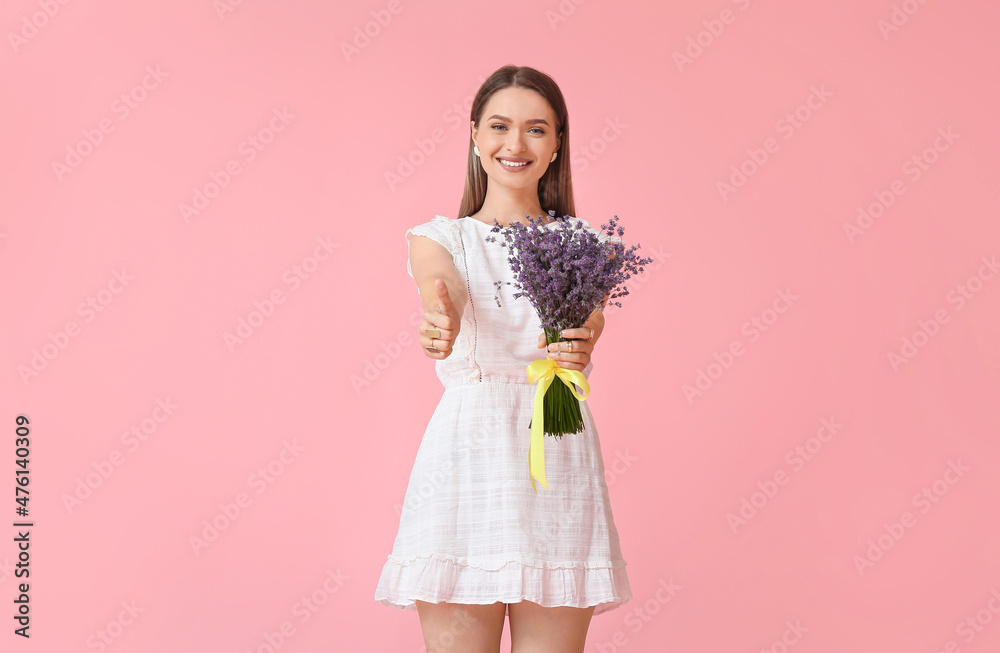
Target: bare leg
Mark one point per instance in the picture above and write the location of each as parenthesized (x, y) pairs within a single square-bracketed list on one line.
[(534, 629), (461, 627)]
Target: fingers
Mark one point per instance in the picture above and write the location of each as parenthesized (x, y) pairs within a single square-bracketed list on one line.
[(574, 361), (565, 352), (572, 345), (441, 348), (573, 355), (438, 321), (445, 334), (441, 342), (437, 355), (580, 333)]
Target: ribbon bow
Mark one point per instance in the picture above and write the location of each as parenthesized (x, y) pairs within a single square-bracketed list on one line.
[(545, 372)]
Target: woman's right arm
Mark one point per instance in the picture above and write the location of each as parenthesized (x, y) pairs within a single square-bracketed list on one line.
[(444, 305)]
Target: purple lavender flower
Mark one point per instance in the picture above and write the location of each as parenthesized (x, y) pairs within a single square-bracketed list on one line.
[(566, 271)]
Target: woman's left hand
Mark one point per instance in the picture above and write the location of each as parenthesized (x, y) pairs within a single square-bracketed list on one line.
[(577, 355)]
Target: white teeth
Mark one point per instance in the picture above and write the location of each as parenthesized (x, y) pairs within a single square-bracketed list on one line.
[(514, 165)]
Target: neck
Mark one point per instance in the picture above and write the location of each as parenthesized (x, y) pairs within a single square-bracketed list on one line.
[(507, 209)]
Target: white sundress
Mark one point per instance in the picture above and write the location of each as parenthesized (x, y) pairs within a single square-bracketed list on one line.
[(471, 528)]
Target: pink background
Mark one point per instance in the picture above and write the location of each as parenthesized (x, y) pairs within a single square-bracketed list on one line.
[(304, 433)]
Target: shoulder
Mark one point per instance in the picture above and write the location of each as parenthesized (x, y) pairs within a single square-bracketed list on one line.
[(438, 222), (440, 229)]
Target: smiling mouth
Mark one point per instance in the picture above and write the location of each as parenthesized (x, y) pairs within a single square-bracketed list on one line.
[(513, 164)]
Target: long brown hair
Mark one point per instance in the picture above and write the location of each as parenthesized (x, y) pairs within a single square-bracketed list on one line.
[(555, 188)]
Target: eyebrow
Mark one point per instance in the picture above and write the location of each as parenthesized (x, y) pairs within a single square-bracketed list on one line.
[(533, 121)]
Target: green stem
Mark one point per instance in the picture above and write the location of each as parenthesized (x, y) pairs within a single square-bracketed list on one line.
[(561, 408)]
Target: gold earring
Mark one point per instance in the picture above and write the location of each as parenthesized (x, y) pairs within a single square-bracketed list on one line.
[(553, 156)]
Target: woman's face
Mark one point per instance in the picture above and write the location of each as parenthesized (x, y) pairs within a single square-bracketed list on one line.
[(517, 127)]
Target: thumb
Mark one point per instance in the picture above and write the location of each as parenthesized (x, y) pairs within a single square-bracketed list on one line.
[(442, 292)]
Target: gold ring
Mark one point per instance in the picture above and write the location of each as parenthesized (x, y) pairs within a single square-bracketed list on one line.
[(569, 346), (433, 333)]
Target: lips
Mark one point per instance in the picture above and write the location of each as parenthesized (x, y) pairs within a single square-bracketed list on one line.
[(521, 164)]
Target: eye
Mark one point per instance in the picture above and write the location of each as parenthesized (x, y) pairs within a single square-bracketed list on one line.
[(537, 130)]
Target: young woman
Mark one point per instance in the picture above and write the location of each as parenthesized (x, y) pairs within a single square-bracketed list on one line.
[(475, 543)]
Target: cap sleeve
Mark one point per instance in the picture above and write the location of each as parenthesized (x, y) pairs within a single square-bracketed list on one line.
[(440, 229)]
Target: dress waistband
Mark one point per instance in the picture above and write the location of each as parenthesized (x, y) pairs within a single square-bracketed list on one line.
[(500, 381), (490, 380)]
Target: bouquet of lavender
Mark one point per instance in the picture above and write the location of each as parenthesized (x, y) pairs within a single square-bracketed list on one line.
[(565, 272)]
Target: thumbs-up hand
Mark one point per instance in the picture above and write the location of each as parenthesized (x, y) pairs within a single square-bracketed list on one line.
[(439, 313)]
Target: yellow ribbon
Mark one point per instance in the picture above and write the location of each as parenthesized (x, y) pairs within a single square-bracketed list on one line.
[(545, 371)]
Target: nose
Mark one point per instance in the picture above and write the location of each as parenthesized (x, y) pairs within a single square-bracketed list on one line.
[(515, 141)]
